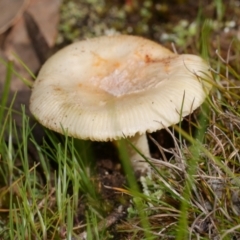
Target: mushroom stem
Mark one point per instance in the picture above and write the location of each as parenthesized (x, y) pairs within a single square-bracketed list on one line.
[(138, 162)]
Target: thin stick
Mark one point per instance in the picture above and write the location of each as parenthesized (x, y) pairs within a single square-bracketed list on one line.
[(116, 215)]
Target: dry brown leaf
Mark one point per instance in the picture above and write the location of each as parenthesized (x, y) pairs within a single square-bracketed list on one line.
[(11, 11), (17, 41)]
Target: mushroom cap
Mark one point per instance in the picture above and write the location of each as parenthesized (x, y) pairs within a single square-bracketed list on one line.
[(106, 88)]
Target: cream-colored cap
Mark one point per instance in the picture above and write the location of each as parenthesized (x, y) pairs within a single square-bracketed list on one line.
[(109, 87)]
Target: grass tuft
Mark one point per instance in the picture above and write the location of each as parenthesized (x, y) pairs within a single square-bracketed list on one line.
[(58, 193)]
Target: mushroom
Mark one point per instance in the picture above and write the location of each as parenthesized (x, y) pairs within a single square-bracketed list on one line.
[(114, 87)]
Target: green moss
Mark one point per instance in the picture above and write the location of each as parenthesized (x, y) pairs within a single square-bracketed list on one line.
[(83, 19)]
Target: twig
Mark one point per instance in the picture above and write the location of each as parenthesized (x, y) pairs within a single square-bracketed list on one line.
[(38, 40), (116, 215)]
